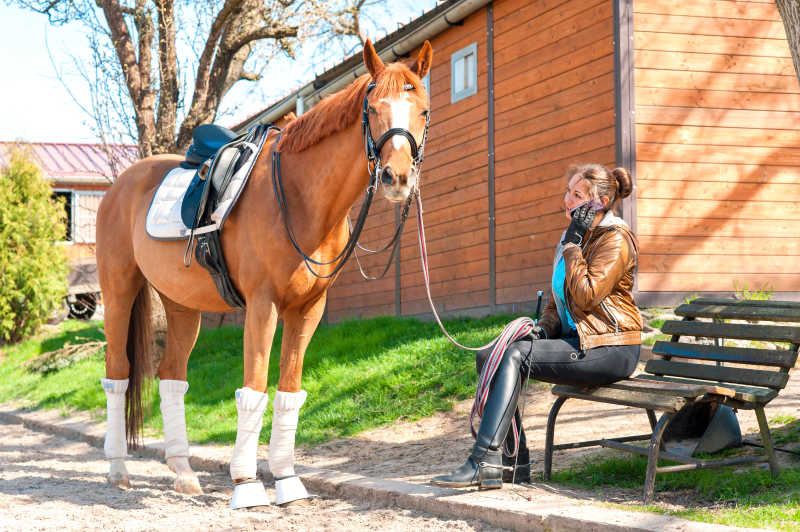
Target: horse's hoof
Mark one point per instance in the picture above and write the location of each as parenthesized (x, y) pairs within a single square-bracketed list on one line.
[(118, 474), (119, 481), (248, 494), (289, 490), (188, 485), (298, 502)]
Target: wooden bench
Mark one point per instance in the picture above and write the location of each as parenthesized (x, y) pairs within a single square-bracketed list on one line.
[(682, 373)]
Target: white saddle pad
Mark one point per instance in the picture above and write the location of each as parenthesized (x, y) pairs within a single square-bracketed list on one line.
[(164, 216)]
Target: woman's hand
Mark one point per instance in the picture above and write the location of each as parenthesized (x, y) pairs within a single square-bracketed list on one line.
[(538, 333), (582, 219)]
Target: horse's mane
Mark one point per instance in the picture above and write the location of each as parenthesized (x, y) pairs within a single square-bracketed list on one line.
[(337, 111)]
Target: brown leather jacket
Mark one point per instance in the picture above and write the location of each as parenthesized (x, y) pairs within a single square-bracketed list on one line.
[(598, 291)]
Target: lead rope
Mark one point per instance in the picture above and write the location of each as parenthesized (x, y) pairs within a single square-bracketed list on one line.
[(515, 330)]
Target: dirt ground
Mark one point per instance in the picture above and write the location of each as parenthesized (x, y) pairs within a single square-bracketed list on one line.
[(416, 451), (49, 482)]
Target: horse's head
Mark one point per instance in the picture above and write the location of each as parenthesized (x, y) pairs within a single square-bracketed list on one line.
[(397, 110)]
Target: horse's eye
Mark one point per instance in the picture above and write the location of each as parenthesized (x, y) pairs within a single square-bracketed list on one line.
[(425, 112), (372, 111), (408, 86)]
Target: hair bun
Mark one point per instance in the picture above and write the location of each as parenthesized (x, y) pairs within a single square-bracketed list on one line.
[(624, 183)]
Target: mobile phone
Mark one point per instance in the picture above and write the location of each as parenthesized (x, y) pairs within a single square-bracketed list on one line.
[(596, 205)]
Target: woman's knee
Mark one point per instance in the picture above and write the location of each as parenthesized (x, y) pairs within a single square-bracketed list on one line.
[(516, 352)]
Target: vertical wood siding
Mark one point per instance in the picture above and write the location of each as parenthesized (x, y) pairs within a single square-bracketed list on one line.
[(718, 147)]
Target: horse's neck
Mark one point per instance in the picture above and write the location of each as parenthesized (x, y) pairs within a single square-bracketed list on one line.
[(324, 181)]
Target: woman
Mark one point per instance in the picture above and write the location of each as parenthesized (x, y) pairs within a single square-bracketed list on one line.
[(590, 330)]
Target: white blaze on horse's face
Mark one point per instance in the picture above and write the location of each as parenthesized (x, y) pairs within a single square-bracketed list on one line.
[(403, 111), (401, 117)]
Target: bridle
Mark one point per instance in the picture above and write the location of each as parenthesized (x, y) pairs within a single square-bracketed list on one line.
[(372, 149)]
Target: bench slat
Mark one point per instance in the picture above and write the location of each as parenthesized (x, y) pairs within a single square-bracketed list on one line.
[(652, 401), (782, 358), (745, 394), (746, 302), (690, 391), (739, 312), (775, 333), (751, 377)]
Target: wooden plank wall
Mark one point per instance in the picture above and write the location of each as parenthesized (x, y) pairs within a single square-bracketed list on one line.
[(455, 195), (454, 187), (718, 147), (554, 106), (554, 90)]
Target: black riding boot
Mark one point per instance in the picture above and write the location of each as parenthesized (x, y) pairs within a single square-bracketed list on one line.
[(484, 467), (522, 460)]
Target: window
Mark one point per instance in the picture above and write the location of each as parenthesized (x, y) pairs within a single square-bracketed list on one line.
[(81, 214), (66, 196), (464, 73)]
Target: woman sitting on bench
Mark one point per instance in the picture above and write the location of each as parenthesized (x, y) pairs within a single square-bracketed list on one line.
[(590, 330)]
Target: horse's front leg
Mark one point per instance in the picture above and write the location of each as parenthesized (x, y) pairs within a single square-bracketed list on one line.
[(251, 402), (299, 326)]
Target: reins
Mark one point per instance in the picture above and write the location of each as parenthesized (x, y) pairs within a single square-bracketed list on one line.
[(372, 149), (515, 330)]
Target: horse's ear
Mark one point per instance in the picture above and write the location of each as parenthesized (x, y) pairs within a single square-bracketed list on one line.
[(372, 61), (424, 60)]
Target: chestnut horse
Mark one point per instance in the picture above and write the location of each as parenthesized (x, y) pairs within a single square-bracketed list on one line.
[(324, 171)]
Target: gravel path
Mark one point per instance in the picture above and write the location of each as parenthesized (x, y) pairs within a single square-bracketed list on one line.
[(48, 482)]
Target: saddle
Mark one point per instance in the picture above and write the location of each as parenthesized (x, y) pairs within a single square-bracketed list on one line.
[(218, 155)]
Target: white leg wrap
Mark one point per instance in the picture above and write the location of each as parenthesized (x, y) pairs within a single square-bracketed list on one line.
[(250, 406), (115, 445), (281, 446), (174, 416)]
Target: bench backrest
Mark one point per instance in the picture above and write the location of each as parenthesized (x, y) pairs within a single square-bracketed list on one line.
[(766, 366)]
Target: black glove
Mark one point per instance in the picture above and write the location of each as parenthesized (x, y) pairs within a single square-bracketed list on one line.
[(582, 219), (537, 333)]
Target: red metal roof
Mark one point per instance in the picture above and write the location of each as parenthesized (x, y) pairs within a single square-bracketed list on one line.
[(76, 163)]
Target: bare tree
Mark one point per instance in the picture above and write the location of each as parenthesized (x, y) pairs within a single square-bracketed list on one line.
[(139, 80), (790, 13)]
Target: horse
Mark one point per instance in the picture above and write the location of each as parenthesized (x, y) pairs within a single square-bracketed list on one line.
[(324, 171)]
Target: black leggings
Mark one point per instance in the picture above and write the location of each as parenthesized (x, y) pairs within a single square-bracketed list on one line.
[(561, 361)]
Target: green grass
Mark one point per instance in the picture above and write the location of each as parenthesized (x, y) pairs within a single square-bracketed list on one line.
[(358, 375), (740, 497)]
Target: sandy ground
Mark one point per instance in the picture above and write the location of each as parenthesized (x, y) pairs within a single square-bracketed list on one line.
[(416, 451), (49, 482)]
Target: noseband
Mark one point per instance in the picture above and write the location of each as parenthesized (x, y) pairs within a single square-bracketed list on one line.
[(372, 149)]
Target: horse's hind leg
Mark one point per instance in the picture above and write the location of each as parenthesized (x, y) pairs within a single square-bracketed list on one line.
[(183, 325), (124, 294)]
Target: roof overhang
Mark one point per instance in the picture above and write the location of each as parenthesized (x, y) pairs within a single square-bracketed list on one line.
[(391, 48)]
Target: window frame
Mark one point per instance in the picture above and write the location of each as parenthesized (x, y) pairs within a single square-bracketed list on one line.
[(460, 55)]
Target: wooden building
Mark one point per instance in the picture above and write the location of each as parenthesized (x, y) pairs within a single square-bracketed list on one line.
[(698, 99), (80, 174)]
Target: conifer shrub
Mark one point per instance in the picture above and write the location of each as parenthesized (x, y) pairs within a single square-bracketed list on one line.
[(33, 269)]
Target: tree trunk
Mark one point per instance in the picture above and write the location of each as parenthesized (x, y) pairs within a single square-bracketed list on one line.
[(790, 13)]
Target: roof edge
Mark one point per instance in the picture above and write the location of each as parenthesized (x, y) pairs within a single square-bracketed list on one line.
[(394, 46)]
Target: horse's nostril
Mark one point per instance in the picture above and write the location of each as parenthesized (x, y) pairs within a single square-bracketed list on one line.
[(387, 176)]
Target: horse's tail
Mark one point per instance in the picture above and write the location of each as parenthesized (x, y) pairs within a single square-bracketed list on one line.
[(139, 350)]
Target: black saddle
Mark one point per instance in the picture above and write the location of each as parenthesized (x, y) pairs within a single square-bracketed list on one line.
[(218, 154), (207, 139)]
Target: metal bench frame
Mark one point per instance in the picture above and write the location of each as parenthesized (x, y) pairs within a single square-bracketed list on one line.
[(668, 386)]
